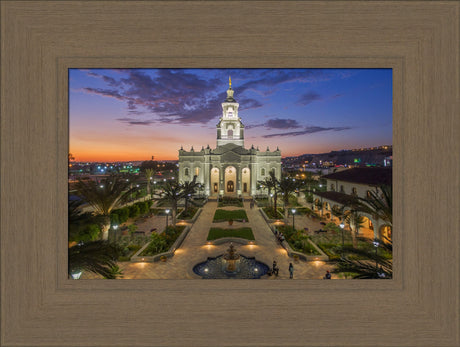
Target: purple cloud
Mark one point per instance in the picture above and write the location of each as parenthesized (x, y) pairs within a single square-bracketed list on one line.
[(278, 123), (131, 121), (309, 97), (307, 130)]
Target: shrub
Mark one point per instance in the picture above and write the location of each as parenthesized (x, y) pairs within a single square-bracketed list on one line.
[(123, 214), (143, 207), (133, 211), (114, 219), (190, 213), (162, 242), (229, 201), (270, 212), (90, 233)]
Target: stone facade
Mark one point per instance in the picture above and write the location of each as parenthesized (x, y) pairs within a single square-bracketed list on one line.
[(229, 169)]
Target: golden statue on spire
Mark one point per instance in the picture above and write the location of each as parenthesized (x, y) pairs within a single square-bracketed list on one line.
[(230, 81)]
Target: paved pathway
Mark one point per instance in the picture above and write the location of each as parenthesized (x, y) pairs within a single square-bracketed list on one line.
[(195, 250)]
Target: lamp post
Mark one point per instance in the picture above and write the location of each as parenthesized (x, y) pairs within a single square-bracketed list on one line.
[(154, 188), (293, 218), (150, 182), (376, 245), (167, 214), (343, 240)]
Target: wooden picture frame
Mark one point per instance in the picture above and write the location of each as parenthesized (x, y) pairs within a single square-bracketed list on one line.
[(42, 39)]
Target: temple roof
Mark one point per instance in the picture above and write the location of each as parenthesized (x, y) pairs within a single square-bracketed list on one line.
[(230, 147)]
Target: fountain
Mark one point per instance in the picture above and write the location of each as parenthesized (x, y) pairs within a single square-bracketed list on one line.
[(231, 260), (231, 265)]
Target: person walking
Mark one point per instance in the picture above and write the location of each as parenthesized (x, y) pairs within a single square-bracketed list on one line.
[(275, 268), (291, 271)]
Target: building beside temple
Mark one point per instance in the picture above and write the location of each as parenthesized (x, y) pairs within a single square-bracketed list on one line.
[(230, 169), (344, 187)]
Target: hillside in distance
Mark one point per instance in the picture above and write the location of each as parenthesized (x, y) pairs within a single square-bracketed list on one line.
[(364, 156)]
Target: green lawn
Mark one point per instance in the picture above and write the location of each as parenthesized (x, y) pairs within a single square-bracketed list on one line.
[(217, 233), (223, 215), (227, 201)]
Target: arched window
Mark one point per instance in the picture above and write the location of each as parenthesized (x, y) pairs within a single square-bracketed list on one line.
[(186, 171), (368, 193), (230, 134), (342, 190), (262, 172), (354, 191), (332, 187), (197, 171), (273, 170)]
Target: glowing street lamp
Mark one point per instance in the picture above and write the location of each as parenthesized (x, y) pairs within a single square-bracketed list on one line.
[(293, 219), (376, 245), (343, 240), (167, 214)]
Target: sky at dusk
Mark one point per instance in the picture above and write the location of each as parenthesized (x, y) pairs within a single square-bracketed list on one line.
[(132, 114)]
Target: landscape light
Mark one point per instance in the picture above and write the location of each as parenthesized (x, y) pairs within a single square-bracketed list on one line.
[(76, 275)]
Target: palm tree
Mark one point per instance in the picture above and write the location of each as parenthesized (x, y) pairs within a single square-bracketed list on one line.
[(188, 190), (266, 184), (104, 196), (338, 211), (355, 220), (374, 265), (148, 175), (171, 195), (287, 187), (379, 203), (98, 257), (319, 206)]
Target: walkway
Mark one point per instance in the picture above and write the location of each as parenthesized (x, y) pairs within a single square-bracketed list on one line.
[(194, 250)]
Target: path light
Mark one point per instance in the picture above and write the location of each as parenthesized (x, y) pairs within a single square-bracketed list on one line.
[(76, 275), (115, 227)]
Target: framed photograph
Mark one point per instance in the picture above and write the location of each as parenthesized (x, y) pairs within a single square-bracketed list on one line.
[(297, 179), (41, 305)]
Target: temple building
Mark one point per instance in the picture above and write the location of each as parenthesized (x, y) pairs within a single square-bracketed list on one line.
[(230, 169)]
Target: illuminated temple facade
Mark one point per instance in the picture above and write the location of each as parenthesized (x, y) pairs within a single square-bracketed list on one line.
[(229, 169)]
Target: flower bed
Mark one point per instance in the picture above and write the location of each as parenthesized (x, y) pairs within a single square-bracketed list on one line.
[(298, 241), (270, 212), (162, 242)]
